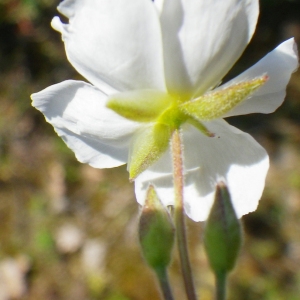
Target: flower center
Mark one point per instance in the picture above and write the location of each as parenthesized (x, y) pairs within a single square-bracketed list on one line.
[(157, 107), (160, 114), (172, 117)]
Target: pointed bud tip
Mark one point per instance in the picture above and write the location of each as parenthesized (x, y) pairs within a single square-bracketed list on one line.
[(221, 185), (265, 78), (152, 200)]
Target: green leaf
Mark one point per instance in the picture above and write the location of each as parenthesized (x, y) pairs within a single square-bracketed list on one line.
[(149, 144), (214, 105), (139, 105)]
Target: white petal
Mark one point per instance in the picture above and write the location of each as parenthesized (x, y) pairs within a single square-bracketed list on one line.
[(67, 8), (203, 39), (92, 151), (77, 111), (159, 5), (115, 44), (234, 157), (279, 66)]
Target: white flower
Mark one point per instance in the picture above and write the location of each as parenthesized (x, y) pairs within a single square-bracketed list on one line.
[(178, 48)]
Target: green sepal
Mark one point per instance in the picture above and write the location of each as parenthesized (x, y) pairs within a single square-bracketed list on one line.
[(149, 144), (200, 126), (223, 233), (139, 105), (215, 104), (156, 232)]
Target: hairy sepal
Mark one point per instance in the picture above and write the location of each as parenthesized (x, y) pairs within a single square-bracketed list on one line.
[(139, 105), (149, 144), (215, 104)]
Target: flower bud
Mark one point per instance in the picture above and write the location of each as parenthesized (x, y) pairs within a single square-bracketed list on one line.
[(156, 232), (223, 234)]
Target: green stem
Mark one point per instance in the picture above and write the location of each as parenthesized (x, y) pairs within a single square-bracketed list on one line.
[(221, 278), (179, 215), (163, 279)]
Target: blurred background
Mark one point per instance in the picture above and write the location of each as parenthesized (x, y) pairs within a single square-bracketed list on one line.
[(68, 231)]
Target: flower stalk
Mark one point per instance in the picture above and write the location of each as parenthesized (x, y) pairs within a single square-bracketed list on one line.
[(221, 281), (164, 283), (179, 215), (222, 238), (157, 235)]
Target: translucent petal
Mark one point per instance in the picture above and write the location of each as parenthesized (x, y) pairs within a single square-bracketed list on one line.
[(77, 111), (232, 156), (279, 66), (92, 151), (115, 44), (203, 39)]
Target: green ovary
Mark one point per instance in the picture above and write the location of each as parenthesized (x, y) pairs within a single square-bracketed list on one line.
[(172, 117)]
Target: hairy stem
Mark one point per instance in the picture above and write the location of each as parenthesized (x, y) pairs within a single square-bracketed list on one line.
[(179, 215)]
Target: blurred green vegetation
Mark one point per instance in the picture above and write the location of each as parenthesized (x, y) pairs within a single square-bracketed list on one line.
[(68, 231)]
